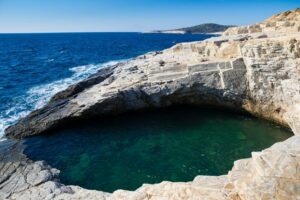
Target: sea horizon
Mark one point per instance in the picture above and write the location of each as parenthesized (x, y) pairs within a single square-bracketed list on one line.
[(149, 99)]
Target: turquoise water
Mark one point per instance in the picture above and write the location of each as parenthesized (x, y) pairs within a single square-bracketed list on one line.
[(174, 144)]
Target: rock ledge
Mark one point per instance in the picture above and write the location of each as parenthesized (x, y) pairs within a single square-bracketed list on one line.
[(254, 69)]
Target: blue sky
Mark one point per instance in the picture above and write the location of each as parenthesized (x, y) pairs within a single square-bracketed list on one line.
[(131, 15)]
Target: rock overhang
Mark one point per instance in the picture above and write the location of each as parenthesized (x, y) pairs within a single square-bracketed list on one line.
[(254, 68)]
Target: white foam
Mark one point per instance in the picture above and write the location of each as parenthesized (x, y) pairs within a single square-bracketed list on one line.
[(38, 96)]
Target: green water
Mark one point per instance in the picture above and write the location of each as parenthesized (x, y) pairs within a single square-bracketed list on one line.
[(173, 144)]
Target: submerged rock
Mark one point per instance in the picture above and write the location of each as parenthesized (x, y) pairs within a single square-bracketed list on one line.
[(254, 68)]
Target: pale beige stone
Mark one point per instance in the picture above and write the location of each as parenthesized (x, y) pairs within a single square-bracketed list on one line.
[(256, 68)]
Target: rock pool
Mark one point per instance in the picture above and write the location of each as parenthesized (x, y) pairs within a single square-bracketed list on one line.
[(174, 144)]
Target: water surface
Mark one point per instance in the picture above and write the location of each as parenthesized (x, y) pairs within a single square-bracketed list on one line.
[(174, 144), (33, 67)]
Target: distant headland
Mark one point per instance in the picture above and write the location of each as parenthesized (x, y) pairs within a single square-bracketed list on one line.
[(198, 29)]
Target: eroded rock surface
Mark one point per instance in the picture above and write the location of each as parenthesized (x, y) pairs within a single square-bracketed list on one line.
[(282, 23), (257, 72), (254, 68)]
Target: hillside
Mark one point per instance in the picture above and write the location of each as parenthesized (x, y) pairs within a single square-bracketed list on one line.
[(202, 28), (205, 28)]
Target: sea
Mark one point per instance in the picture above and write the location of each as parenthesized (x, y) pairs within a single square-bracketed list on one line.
[(120, 152), (34, 67)]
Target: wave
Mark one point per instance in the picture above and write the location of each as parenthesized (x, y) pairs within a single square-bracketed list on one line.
[(38, 96)]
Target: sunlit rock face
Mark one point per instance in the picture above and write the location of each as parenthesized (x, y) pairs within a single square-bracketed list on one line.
[(254, 68), (257, 72), (285, 23)]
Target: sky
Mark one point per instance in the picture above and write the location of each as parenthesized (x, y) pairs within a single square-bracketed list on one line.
[(23, 16)]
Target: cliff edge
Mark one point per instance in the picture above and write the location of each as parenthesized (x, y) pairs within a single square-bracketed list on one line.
[(253, 68)]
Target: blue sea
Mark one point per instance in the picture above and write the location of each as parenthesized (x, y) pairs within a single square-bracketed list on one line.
[(120, 151), (33, 67)]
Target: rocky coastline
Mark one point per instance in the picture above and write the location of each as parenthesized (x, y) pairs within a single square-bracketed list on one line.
[(255, 69), (208, 28)]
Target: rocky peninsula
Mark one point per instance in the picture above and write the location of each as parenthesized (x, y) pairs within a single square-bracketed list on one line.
[(255, 69), (208, 28)]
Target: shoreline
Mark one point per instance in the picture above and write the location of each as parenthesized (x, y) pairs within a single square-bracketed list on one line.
[(235, 70), (181, 33)]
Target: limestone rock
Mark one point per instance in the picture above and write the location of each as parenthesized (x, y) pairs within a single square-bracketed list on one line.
[(254, 68), (286, 22)]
